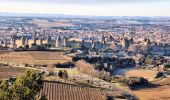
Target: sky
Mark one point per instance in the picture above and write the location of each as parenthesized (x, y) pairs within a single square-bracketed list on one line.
[(88, 7)]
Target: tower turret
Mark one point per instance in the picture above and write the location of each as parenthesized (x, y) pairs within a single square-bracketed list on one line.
[(41, 41), (65, 42), (13, 42), (26, 41), (49, 40), (124, 43), (59, 42), (23, 40)]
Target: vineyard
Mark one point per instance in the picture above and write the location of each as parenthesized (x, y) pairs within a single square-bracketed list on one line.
[(8, 72), (59, 91), (33, 58)]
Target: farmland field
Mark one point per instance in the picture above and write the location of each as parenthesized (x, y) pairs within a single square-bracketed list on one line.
[(45, 23), (160, 92), (61, 91), (147, 74), (8, 72), (33, 58)]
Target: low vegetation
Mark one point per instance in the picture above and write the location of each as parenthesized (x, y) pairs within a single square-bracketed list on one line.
[(106, 63), (89, 69), (132, 82)]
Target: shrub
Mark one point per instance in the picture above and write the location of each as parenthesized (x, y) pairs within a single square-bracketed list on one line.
[(51, 73), (160, 74), (60, 74)]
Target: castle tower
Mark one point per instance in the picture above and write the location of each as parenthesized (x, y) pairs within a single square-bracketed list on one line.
[(110, 37), (48, 39), (147, 42), (65, 42), (146, 47), (103, 39), (35, 38), (130, 41), (1, 42), (13, 42), (93, 44), (23, 40), (6, 43), (125, 43), (41, 41), (104, 42), (59, 42), (26, 41)]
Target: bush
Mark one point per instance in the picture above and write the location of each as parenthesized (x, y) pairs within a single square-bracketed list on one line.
[(167, 66), (133, 81), (160, 74), (64, 65), (63, 74), (51, 73), (60, 74)]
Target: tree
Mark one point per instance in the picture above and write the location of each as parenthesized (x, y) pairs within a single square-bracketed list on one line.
[(28, 84), (4, 90), (60, 74), (77, 45), (20, 48), (26, 47), (25, 87), (33, 44), (65, 75), (87, 68)]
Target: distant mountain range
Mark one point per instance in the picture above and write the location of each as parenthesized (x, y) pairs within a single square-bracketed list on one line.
[(75, 16), (30, 14)]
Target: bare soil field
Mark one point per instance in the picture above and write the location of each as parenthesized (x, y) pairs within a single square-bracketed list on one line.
[(60, 91), (147, 74), (45, 23), (33, 57), (160, 89), (8, 72), (159, 92)]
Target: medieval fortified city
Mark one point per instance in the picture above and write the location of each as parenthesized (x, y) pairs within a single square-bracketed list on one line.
[(93, 50)]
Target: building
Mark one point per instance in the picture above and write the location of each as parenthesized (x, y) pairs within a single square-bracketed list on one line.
[(59, 42), (155, 48), (126, 42)]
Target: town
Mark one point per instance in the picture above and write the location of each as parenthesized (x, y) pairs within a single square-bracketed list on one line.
[(103, 57)]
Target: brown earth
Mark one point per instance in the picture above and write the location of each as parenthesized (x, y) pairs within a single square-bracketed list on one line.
[(160, 90), (147, 74), (8, 72), (45, 23), (33, 57)]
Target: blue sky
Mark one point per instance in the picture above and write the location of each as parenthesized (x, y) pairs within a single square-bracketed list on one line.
[(89, 7)]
